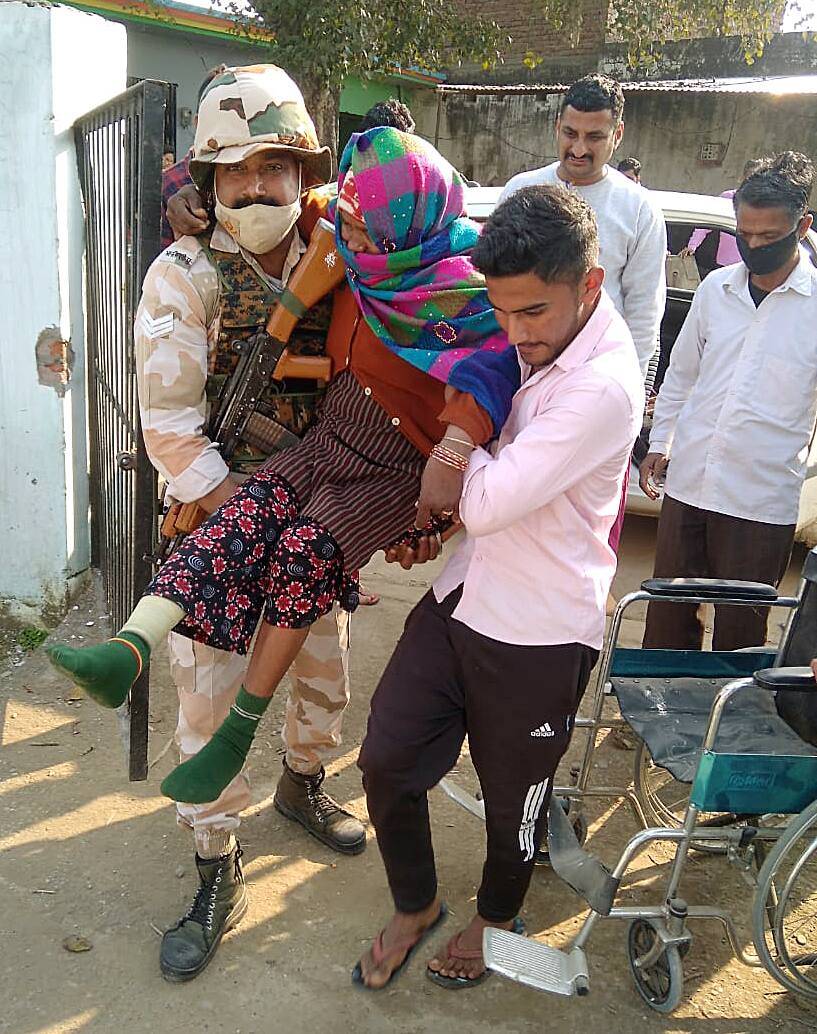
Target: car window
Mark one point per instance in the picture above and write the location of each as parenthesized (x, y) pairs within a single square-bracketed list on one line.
[(710, 246)]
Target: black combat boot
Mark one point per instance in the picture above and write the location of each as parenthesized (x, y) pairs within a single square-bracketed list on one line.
[(301, 797), (218, 906)]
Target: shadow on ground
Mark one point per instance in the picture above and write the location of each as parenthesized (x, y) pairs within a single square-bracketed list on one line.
[(82, 852)]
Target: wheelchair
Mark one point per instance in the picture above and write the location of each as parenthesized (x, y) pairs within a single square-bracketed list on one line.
[(709, 730)]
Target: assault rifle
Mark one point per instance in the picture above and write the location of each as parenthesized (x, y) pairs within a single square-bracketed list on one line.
[(237, 416)]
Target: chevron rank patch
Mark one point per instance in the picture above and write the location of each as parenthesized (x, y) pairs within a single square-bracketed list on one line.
[(157, 326)]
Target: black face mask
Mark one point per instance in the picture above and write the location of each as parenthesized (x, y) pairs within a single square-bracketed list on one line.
[(768, 257)]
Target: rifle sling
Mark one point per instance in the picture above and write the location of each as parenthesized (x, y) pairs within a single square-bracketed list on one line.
[(292, 303)]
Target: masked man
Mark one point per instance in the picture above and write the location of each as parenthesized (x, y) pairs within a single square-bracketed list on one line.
[(387, 430), (201, 297), (735, 414)]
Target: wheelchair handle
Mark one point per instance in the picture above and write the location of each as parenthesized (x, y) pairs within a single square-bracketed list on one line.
[(793, 680), (711, 587)]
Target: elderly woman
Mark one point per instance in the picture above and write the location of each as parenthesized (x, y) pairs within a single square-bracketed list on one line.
[(421, 370)]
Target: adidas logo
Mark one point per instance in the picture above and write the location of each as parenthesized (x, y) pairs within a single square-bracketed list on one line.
[(543, 730)]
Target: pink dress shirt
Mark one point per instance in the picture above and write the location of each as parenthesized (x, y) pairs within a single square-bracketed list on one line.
[(536, 564), (728, 253)]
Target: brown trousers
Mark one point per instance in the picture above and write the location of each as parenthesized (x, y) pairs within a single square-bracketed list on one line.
[(695, 543)]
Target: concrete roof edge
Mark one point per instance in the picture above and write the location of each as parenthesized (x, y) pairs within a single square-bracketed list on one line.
[(773, 84)]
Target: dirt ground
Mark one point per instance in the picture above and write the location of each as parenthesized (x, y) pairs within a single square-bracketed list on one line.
[(85, 853)]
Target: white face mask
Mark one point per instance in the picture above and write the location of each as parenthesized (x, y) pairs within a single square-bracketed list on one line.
[(259, 228)]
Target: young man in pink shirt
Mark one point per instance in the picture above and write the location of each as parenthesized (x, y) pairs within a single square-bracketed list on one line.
[(502, 647)]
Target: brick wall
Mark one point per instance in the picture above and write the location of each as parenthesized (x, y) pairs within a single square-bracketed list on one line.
[(565, 57), (786, 54), (521, 20)]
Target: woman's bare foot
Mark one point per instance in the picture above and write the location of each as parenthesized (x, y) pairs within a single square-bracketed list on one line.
[(366, 598), (394, 943), (462, 959)]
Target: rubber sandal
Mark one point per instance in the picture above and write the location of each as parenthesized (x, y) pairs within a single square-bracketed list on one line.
[(377, 949), (454, 951)]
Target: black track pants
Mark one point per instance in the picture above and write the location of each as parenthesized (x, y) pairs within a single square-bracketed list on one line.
[(517, 705)]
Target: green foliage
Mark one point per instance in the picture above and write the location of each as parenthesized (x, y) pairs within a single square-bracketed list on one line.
[(326, 41), (31, 638), (644, 26)]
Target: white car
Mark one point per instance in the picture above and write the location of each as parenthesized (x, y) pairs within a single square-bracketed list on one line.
[(684, 213)]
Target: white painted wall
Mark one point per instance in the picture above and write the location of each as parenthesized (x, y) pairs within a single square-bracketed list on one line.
[(184, 58), (56, 63)]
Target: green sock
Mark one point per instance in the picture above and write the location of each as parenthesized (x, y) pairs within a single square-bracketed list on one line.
[(201, 778), (105, 672)]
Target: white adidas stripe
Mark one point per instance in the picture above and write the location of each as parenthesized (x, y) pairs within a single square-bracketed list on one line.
[(534, 799), (526, 828)]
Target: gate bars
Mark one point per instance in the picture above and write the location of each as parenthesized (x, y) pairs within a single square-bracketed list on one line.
[(119, 153)]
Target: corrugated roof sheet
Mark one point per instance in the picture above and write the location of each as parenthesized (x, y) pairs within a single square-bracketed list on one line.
[(780, 85)]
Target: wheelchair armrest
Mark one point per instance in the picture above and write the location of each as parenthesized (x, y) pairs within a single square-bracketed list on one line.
[(713, 587), (797, 680)]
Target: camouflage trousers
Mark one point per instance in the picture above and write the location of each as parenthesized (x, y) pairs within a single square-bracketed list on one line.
[(207, 681)]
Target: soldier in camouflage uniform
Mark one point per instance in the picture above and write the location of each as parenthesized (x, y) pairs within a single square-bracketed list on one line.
[(201, 297)]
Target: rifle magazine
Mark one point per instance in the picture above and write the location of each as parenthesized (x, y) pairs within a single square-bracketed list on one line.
[(266, 434)]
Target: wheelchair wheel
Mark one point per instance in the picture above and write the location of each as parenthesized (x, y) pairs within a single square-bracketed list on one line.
[(665, 799), (784, 914), (661, 985)]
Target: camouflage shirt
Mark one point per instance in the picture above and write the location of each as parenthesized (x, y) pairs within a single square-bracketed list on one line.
[(176, 334)]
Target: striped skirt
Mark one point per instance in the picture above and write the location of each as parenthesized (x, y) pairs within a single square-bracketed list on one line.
[(285, 544)]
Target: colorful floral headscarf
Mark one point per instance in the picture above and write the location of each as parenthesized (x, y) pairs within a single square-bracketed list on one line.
[(421, 296)]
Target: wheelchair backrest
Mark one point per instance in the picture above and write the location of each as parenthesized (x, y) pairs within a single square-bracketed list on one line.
[(799, 647), (799, 643)]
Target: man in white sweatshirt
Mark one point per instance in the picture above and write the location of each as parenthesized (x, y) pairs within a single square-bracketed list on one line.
[(632, 233)]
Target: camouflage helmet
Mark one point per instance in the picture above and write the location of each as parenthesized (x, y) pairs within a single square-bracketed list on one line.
[(244, 110)]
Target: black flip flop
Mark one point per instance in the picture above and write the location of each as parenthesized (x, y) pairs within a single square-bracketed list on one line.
[(357, 972), (458, 983)]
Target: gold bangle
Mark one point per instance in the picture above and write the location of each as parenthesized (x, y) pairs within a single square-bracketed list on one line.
[(450, 458)]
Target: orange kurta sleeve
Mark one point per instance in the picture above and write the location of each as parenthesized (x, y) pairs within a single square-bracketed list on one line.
[(464, 411)]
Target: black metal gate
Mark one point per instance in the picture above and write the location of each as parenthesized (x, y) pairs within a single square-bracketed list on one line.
[(119, 151)]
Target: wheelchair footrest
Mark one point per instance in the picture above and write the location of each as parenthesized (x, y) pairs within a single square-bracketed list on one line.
[(536, 965), (463, 798), (578, 868)]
